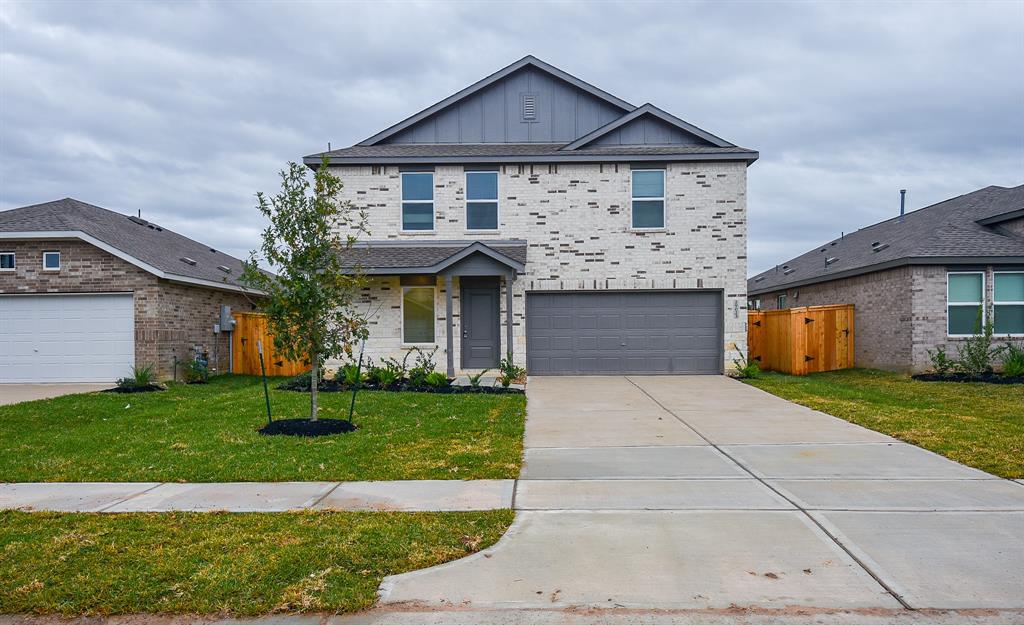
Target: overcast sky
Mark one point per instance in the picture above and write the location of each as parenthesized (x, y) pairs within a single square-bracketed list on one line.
[(184, 110)]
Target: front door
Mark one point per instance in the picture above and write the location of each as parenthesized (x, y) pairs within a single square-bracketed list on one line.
[(481, 338)]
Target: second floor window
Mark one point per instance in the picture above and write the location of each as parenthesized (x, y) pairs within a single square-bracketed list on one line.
[(648, 198), (417, 201), (482, 200)]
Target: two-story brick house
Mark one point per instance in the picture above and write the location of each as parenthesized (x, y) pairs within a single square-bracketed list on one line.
[(615, 234)]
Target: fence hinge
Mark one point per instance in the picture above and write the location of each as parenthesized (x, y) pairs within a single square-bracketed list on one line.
[(808, 358), (757, 358), (758, 323), (807, 320), (846, 331)]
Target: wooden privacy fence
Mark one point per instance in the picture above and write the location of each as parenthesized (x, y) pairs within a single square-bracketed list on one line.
[(801, 340), (245, 359)]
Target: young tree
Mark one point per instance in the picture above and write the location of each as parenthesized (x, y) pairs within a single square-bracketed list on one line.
[(310, 303)]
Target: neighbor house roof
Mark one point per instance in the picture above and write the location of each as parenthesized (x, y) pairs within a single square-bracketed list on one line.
[(963, 229), (397, 257), (146, 245), (677, 140)]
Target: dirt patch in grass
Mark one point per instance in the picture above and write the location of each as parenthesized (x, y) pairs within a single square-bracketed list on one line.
[(306, 427)]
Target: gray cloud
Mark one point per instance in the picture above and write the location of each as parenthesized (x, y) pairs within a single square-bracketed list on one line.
[(185, 110)]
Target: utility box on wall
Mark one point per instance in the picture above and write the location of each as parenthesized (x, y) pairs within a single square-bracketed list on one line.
[(803, 340)]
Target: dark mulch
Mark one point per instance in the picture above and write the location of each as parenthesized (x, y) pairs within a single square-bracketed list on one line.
[(333, 386), (988, 378), (148, 388), (305, 427)]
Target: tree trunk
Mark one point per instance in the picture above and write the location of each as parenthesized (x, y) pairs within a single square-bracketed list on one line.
[(314, 383)]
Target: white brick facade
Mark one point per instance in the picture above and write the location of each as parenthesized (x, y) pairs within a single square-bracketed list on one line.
[(576, 220)]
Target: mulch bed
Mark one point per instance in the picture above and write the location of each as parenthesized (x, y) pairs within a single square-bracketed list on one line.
[(148, 388), (305, 427), (332, 386), (988, 378)]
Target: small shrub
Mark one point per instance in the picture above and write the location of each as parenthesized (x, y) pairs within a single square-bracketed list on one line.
[(746, 369), (474, 380), (349, 374), (1013, 359), (424, 366), (941, 362), (976, 352), (437, 379), (196, 372), (140, 377), (300, 382), (384, 377), (508, 371)]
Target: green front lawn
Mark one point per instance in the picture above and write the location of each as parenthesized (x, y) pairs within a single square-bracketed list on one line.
[(980, 425), (207, 433), (232, 564)]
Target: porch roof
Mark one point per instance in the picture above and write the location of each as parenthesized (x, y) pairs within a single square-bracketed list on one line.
[(429, 257)]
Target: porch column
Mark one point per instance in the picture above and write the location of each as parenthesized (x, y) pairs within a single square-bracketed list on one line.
[(450, 340), (509, 279)]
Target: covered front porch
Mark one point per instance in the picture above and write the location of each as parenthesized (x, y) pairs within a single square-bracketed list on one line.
[(454, 299)]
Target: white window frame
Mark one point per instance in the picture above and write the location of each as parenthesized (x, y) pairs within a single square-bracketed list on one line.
[(14, 259), (497, 203), (664, 202), (402, 202), (433, 299), (984, 312), (45, 254), (996, 302)]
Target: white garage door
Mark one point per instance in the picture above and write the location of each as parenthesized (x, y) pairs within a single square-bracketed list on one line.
[(66, 338)]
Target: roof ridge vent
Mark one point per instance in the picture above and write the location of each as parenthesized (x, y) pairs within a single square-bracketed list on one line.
[(138, 220), (187, 261)]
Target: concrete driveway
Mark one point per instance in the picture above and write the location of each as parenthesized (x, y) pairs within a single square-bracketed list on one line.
[(702, 493), (17, 393)]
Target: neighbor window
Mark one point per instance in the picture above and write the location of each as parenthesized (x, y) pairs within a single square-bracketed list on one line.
[(482, 200), (648, 198), (781, 301), (51, 261), (417, 314), (418, 201), (7, 261), (1008, 302), (965, 294)]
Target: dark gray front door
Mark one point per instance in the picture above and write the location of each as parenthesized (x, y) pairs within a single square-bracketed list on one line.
[(624, 332), (481, 340)]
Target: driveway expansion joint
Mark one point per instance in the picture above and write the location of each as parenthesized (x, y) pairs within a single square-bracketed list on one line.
[(860, 562)]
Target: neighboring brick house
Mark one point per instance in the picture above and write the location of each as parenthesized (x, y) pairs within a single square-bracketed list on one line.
[(85, 293), (615, 234), (916, 281)]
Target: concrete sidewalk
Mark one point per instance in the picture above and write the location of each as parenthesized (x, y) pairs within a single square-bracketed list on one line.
[(702, 493), (410, 496)]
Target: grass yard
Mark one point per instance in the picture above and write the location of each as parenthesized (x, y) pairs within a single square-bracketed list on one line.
[(980, 425), (233, 564), (207, 433)]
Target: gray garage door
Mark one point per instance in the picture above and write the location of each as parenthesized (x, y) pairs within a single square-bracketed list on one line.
[(624, 332)]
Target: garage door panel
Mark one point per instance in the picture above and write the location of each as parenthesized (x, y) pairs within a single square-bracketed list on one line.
[(66, 338), (635, 332)]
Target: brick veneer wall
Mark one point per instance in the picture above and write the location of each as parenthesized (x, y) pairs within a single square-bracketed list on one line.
[(170, 318), (882, 313), (576, 218), (899, 314)]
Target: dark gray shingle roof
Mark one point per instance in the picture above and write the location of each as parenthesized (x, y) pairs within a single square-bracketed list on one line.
[(147, 242), (947, 230), (380, 256)]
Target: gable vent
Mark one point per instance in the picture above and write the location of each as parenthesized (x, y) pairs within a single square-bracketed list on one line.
[(187, 260), (529, 107)]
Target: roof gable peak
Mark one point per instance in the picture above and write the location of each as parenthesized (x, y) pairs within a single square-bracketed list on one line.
[(648, 110)]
